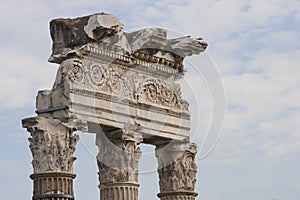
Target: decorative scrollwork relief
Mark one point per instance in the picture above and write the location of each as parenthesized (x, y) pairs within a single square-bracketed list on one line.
[(113, 80), (107, 78), (158, 92)]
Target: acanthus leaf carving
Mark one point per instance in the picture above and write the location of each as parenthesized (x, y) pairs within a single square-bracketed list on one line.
[(177, 168), (117, 160), (52, 144)]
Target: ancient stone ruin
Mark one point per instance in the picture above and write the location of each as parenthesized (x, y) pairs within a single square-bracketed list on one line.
[(121, 87)]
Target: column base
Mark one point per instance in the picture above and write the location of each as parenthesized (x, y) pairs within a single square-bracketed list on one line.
[(177, 195), (53, 185)]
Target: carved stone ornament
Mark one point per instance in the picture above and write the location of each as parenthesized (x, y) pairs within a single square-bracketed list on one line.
[(159, 92), (52, 144), (124, 82), (85, 74), (96, 74), (112, 80), (117, 160), (176, 167)]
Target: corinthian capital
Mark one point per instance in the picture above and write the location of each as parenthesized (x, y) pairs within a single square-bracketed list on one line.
[(176, 167), (118, 158), (52, 144)]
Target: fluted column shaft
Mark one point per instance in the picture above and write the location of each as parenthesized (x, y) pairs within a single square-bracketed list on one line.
[(118, 160), (52, 145), (177, 171)]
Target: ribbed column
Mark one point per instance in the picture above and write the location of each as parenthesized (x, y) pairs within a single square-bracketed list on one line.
[(177, 171), (118, 160), (53, 185), (119, 191), (52, 145)]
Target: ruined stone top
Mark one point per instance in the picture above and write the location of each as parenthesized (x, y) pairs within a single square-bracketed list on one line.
[(104, 31), (118, 79)]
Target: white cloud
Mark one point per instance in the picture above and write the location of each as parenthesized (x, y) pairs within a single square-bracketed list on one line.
[(22, 75), (232, 30), (267, 102), (255, 44)]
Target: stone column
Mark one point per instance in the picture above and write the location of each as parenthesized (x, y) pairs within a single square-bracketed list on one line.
[(118, 161), (52, 145), (177, 171)]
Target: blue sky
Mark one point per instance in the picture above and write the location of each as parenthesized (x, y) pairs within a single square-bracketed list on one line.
[(254, 45)]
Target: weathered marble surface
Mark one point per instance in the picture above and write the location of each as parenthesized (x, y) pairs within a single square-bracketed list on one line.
[(177, 170), (69, 35), (187, 46), (118, 157), (118, 163), (123, 83), (52, 144), (101, 26), (110, 77)]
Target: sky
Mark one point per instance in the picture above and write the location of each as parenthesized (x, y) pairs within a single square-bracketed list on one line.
[(250, 70)]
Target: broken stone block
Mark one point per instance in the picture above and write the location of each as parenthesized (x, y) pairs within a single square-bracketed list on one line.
[(149, 38), (102, 25), (186, 46)]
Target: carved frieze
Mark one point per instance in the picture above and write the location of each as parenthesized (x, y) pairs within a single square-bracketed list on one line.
[(159, 92), (126, 84)]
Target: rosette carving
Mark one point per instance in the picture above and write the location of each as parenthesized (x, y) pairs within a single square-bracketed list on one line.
[(96, 74)]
